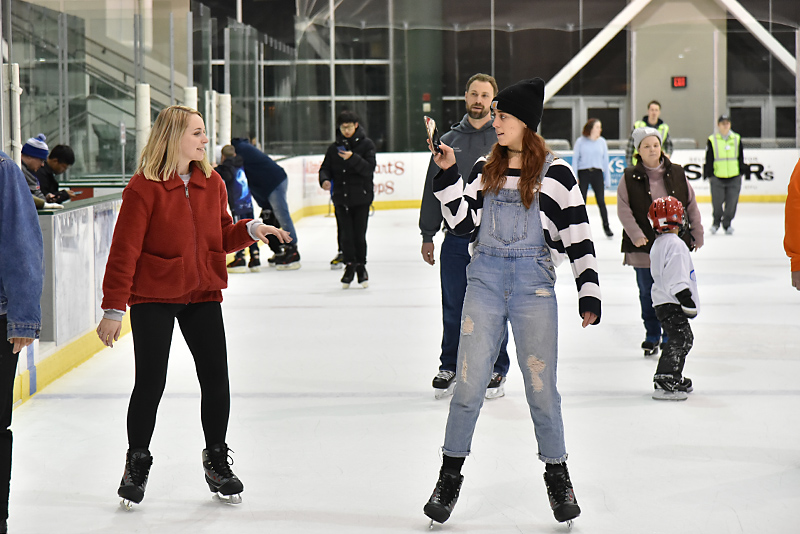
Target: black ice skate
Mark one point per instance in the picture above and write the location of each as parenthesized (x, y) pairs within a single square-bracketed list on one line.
[(134, 479), (496, 388), (667, 387), (650, 347), (349, 274), (238, 265), (361, 274), (255, 262), (337, 262), (562, 496), (289, 260), (272, 261), (444, 383), (444, 497), (219, 477)]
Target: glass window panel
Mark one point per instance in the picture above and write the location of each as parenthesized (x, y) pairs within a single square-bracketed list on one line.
[(557, 124), (609, 117), (785, 122), (371, 80), (747, 121), (313, 80)]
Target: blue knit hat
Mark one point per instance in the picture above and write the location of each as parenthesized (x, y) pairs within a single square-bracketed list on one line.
[(36, 147)]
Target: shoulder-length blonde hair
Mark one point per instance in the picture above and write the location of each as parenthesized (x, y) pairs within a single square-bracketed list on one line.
[(160, 156), (534, 152)]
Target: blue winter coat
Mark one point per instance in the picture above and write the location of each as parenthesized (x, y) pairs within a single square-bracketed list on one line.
[(263, 174)]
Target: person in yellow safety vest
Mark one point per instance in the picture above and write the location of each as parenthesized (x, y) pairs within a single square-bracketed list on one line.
[(724, 169), (651, 120)]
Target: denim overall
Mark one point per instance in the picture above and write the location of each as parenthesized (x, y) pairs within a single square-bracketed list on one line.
[(511, 278)]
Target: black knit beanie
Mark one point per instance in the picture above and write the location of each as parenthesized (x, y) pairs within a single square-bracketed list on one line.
[(524, 100)]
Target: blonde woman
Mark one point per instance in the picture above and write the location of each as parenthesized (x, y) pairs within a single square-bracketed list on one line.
[(167, 262)]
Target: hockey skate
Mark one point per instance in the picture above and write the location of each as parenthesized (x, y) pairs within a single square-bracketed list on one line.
[(666, 387), (362, 276), (289, 260), (443, 384), (220, 479), (255, 262), (238, 265), (349, 274), (562, 496), (650, 347), (444, 496), (496, 387), (134, 479), (337, 262)]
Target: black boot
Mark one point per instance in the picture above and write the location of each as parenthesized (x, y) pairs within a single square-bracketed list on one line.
[(361, 273), (290, 260), (559, 490), (349, 274), (134, 479), (445, 496), (219, 477)]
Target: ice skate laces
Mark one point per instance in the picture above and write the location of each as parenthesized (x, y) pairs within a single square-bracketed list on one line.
[(446, 489), (139, 467), (221, 461), (558, 487)]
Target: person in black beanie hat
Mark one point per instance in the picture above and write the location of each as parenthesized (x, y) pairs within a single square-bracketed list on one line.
[(533, 213)]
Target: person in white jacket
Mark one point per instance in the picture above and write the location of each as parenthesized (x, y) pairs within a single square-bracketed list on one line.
[(674, 295)]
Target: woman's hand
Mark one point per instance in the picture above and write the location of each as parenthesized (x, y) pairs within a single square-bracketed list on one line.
[(345, 154), (108, 331), (446, 159), (642, 241), (326, 185), (588, 318), (20, 343), (265, 229)]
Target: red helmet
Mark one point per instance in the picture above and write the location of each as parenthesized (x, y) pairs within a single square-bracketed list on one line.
[(665, 213)]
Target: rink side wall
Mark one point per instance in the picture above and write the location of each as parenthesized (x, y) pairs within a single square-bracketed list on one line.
[(77, 240)]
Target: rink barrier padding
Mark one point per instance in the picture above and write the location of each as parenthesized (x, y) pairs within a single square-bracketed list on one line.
[(37, 377)]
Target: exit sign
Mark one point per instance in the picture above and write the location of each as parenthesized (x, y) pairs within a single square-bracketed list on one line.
[(679, 82)]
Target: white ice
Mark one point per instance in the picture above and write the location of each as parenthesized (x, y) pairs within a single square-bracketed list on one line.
[(335, 429)]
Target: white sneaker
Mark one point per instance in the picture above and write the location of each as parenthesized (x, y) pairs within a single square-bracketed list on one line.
[(714, 228), (729, 230)]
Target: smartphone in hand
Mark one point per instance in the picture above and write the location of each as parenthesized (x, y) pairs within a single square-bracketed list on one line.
[(433, 134)]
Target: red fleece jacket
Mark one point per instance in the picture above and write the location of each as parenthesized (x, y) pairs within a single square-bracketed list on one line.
[(170, 242)]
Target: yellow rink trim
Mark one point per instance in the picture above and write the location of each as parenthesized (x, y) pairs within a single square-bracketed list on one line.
[(61, 362)]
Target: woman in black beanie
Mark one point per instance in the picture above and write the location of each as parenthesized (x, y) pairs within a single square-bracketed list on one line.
[(532, 213)]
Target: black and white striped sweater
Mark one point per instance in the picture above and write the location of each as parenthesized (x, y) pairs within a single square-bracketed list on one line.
[(563, 214)]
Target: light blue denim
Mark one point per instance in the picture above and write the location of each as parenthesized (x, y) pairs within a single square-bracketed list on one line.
[(277, 199), (21, 254), (511, 278)]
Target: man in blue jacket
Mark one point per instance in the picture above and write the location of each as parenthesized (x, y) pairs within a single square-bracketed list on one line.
[(21, 279), (470, 139), (268, 185)]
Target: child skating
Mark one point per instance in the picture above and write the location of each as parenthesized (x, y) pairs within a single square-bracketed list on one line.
[(674, 295)]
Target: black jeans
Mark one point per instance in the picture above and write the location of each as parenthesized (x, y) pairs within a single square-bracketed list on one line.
[(594, 177), (351, 222), (8, 372), (202, 328), (676, 325)]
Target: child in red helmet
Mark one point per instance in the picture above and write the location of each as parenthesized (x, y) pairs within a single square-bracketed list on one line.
[(674, 296)]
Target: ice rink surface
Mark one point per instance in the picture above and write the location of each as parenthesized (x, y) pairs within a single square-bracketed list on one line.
[(335, 428)]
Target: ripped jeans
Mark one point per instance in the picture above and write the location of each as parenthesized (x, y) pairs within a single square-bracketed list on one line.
[(515, 285)]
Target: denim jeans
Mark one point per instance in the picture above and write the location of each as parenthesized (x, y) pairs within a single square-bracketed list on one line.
[(652, 325), (453, 261), (277, 199), (511, 278)]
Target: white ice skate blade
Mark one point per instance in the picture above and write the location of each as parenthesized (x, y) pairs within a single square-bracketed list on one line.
[(495, 393), (569, 524), (365, 285), (345, 286), (228, 499), (255, 269), (128, 505), (337, 266), (289, 267), (442, 393), (242, 269), (660, 394)]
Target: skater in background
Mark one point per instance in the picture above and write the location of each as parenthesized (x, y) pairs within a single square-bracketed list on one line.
[(269, 186), (654, 176), (674, 296), (347, 171), (651, 120), (791, 240), (470, 139), (522, 208), (724, 168), (167, 262), (240, 203), (21, 281), (590, 160)]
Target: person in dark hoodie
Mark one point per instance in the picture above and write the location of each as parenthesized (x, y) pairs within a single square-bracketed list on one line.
[(268, 186), (347, 171), (60, 159), (240, 203), (470, 139)]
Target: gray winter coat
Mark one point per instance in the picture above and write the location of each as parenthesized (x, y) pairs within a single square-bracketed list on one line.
[(468, 144)]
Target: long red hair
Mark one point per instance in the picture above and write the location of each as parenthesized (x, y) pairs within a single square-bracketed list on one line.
[(534, 152)]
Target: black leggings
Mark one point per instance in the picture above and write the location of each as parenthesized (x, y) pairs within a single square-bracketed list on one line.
[(594, 177), (8, 372), (202, 328), (351, 221), (676, 326)]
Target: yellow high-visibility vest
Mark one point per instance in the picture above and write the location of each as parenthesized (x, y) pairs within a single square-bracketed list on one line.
[(726, 154), (663, 129)]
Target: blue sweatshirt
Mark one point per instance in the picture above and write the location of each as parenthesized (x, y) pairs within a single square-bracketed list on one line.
[(590, 154)]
